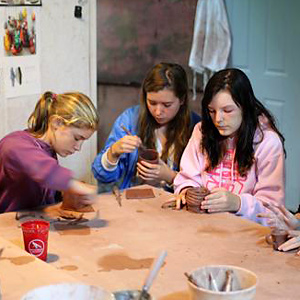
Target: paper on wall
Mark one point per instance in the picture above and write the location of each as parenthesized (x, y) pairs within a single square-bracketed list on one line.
[(21, 76)]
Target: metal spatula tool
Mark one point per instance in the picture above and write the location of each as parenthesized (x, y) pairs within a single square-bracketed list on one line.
[(152, 273)]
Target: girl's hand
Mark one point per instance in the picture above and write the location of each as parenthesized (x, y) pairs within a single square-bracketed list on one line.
[(292, 243), (82, 193), (157, 172), (126, 144), (279, 217), (220, 200), (180, 199)]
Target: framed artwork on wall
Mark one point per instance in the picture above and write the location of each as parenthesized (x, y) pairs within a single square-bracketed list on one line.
[(20, 2)]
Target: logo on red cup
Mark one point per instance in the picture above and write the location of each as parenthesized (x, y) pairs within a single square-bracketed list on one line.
[(36, 247)]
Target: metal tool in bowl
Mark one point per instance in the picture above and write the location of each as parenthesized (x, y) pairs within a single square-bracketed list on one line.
[(152, 274)]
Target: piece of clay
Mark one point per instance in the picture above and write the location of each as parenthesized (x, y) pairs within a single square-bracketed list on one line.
[(194, 196), (139, 193), (70, 202)]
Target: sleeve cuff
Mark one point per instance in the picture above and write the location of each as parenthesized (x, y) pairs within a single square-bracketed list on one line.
[(107, 165), (242, 207)]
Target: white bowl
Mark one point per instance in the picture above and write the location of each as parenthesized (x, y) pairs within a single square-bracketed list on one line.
[(243, 284), (68, 291)]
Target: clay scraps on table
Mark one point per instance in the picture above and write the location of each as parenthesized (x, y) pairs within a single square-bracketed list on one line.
[(52, 213)]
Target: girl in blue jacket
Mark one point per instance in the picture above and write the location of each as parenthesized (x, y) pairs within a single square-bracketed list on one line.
[(162, 122)]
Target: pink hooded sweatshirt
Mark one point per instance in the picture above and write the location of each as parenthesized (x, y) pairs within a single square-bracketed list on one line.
[(265, 181)]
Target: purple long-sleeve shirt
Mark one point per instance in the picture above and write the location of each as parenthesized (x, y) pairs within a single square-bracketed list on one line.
[(29, 172)]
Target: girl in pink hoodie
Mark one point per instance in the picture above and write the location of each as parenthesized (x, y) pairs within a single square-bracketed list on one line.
[(236, 151)]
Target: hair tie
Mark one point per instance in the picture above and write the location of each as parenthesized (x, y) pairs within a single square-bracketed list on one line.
[(54, 97)]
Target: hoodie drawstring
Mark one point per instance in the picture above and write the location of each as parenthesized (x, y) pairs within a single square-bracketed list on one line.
[(232, 177)]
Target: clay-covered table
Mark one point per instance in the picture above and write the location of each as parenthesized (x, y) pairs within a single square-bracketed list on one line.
[(115, 248)]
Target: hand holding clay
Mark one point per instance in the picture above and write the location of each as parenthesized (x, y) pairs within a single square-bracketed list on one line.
[(82, 193), (194, 197), (277, 237), (221, 200), (158, 172), (292, 243), (180, 199)]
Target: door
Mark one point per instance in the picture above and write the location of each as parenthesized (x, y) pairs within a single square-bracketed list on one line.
[(266, 46)]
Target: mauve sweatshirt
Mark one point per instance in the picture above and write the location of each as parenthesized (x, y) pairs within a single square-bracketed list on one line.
[(29, 173)]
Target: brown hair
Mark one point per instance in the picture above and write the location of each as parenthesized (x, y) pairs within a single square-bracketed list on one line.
[(172, 77), (237, 83)]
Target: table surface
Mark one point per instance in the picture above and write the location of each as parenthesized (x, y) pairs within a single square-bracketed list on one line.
[(115, 248)]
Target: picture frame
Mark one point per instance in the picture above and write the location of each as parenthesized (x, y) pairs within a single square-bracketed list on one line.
[(20, 2)]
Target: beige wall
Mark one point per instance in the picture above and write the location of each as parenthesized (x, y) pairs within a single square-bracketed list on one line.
[(67, 49)]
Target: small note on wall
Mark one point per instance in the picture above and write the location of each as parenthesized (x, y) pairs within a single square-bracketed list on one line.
[(21, 77)]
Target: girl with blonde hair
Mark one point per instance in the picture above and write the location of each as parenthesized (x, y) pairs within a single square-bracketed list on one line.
[(30, 175)]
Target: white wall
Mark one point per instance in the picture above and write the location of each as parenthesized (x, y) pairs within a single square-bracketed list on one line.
[(67, 48)]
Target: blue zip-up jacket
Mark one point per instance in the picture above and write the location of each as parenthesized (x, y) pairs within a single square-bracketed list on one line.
[(126, 167)]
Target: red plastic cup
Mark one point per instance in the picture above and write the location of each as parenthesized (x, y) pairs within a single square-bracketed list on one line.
[(35, 235)]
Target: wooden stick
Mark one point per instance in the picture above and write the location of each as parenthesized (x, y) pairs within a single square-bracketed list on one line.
[(191, 279), (126, 130), (129, 133), (228, 282)]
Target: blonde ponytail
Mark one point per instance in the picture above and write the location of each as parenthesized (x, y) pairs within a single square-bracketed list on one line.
[(39, 119), (74, 109)]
